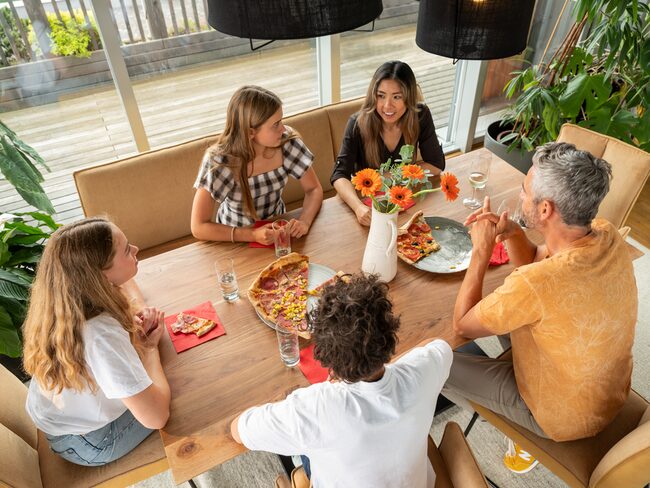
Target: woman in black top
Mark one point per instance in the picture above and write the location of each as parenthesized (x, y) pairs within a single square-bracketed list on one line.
[(389, 118)]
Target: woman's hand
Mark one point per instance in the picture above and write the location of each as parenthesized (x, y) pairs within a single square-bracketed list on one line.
[(263, 234), (298, 228), (152, 324), (363, 214)]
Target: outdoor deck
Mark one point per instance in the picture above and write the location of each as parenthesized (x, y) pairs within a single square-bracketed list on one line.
[(90, 127)]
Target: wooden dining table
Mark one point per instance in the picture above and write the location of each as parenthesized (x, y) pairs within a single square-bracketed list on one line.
[(215, 381)]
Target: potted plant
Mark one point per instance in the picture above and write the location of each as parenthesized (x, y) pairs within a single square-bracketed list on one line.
[(601, 82), (22, 238)]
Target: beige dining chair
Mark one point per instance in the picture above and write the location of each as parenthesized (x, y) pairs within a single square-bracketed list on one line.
[(26, 460), (630, 169), (617, 457), (453, 462)]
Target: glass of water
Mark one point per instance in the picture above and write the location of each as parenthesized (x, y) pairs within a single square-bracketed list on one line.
[(225, 268), (288, 344), (478, 177), (281, 237)]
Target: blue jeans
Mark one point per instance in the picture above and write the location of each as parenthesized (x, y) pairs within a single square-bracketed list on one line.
[(103, 445), (306, 465)]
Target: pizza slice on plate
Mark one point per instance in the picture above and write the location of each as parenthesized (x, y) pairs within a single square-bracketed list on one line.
[(318, 291), (189, 324), (414, 239), (279, 294)]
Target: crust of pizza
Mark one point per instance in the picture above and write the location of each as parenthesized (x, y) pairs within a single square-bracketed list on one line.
[(405, 227)]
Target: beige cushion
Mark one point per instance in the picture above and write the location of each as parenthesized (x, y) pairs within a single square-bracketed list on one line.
[(630, 169), (18, 460), (338, 115), (149, 196), (12, 408), (146, 460), (628, 462)]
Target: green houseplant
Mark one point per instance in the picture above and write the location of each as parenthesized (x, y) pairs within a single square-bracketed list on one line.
[(599, 78), (22, 237)]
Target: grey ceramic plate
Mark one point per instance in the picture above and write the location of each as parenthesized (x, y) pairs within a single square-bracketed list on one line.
[(455, 247), (317, 275)]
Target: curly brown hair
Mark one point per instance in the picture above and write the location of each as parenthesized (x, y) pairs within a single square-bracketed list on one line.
[(354, 328)]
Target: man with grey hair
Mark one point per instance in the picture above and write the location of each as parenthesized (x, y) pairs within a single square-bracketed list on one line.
[(569, 307)]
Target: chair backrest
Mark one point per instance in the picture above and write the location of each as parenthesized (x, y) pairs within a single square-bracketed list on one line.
[(628, 462), (19, 466), (630, 169), (461, 464)]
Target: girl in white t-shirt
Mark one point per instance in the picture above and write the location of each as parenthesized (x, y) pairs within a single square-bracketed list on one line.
[(245, 172), (98, 388)]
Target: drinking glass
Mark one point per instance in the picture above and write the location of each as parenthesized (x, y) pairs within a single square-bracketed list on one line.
[(225, 268), (513, 206), (281, 237), (288, 344), (478, 177)]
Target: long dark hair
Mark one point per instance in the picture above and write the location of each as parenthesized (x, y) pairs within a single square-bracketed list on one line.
[(369, 121)]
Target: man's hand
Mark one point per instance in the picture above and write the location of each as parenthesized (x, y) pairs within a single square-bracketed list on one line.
[(363, 214), (505, 227), (484, 230)]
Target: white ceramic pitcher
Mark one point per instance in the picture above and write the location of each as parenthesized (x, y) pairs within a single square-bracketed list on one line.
[(380, 256)]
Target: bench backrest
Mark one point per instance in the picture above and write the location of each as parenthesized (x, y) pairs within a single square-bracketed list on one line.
[(149, 196)]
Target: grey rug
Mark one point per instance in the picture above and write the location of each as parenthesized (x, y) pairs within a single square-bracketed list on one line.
[(259, 469)]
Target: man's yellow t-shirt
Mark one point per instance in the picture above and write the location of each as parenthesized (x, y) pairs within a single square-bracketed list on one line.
[(571, 319)]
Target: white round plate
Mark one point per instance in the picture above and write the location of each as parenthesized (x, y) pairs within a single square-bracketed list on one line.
[(455, 247)]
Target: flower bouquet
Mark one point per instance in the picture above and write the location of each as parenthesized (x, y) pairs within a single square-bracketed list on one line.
[(393, 187)]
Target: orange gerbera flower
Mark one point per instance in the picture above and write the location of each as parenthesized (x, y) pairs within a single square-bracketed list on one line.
[(449, 186), (412, 171), (401, 195), (367, 181)]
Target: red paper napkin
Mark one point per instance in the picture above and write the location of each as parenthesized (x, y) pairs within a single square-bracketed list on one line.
[(311, 367), (183, 342), (368, 201), (257, 224), (499, 255)]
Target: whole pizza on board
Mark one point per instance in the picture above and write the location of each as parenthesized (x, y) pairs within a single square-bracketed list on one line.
[(414, 239)]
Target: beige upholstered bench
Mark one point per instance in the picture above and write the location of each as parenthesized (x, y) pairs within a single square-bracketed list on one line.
[(149, 196)]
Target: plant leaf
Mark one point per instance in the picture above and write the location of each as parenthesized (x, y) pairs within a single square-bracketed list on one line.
[(12, 290), (15, 276), (10, 343)]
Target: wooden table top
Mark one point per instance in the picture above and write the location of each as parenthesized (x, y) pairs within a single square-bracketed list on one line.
[(214, 382)]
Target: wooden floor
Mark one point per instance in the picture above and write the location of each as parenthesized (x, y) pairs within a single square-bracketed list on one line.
[(90, 128)]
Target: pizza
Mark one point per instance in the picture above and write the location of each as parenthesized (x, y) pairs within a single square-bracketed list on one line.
[(414, 239), (190, 324), (318, 291), (279, 294)]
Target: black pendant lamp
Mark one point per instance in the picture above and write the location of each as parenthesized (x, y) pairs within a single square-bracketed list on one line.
[(474, 29), (290, 19)]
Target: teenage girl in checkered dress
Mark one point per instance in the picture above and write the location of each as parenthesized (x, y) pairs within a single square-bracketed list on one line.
[(244, 173)]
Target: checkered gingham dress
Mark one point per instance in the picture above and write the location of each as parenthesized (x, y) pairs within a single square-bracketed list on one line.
[(266, 188)]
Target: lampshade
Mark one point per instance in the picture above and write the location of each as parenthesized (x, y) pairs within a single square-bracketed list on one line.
[(290, 19), (474, 29)]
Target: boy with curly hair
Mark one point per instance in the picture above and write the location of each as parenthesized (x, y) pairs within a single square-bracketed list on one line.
[(369, 425)]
